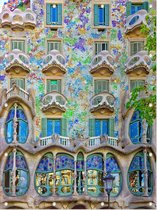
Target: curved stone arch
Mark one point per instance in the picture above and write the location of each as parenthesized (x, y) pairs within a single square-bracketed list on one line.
[(86, 205), (28, 114)]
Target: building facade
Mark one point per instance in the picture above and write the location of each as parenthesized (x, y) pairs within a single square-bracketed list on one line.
[(67, 69)]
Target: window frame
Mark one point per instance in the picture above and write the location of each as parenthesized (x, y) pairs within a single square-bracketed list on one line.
[(100, 78), (18, 39), (101, 42), (54, 40), (140, 39), (134, 79), (14, 78)]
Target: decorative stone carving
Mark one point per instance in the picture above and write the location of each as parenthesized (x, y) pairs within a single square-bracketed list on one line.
[(135, 20)]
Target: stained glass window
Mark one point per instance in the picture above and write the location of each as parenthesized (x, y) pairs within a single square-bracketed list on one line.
[(44, 175), (64, 174), (95, 174), (16, 177), (16, 114), (80, 173), (136, 178), (113, 168)]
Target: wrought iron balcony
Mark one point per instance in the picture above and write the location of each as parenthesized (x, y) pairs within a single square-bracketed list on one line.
[(17, 19), (103, 100), (138, 61), (17, 59), (54, 100), (54, 62), (135, 20), (102, 62)]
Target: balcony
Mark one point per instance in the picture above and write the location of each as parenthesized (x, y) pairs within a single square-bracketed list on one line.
[(135, 21), (102, 64), (17, 19), (54, 64), (17, 94), (102, 102), (88, 144), (53, 102), (17, 62), (138, 64)]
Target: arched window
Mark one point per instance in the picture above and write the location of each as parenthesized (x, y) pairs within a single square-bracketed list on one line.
[(44, 175), (113, 168), (16, 174), (64, 174), (16, 126), (94, 180), (136, 130), (137, 179), (80, 173)]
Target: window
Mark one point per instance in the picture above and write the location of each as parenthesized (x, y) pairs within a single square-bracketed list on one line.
[(132, 8), (53, 85), (101, 15), (19, 82), (136, 83), (16, 113), (136, 175), (100, 46), (54, 126), (101, 85), (53, 45), (54, 14), (18, 44), (80, 173), (99, 127), (44, 180), (19, 185), (136, 47)]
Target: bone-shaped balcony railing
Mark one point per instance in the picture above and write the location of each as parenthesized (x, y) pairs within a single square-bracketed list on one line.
[(54, 98), (135, 20), (139, 59), (54, 57), (18, 17), (103, 99), (103, 58), (17, 56)]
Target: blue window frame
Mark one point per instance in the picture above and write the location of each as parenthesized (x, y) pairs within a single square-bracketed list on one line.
[(101, 127), (54, 14), (132, 8), (53, 126), (22, 125), (101, 15)]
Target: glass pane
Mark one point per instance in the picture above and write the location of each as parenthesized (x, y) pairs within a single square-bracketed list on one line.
[(105, 127), (23, 131), (49, 127), (97, 127), (57, 127), (9, 131)]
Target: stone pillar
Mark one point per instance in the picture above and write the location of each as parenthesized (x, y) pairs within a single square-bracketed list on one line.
[(105, 172), (75, 176), (145, 171), (54, 175), (14, 173), (15, 125), (144, 129), (85, 176)]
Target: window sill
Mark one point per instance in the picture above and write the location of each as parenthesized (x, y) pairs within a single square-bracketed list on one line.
[(53, 26), (102, 27)]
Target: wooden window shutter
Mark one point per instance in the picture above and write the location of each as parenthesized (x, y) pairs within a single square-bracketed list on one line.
[(59, 86), (96, 16), (105, 85), (91, 127), (59, 14), (64, 127), (21, 83), (48, 86), (128, 8), (48, 13), (145, 5), (107, 14), (132, 84), (111, 127), (44, 127)]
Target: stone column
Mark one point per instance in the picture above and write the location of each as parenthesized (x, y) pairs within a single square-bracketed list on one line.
[(105, 172), (54, 175), (75, 176), (145, 171), (15, 125), (85, 176), (14, 173), (144, 129)]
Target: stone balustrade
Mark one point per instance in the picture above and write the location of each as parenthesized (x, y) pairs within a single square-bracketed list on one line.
[(18, 19), (135, 20), (54, 99), (139, 59), (101, 100)]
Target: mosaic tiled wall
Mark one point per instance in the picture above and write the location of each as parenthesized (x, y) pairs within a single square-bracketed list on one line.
[(78, 37)]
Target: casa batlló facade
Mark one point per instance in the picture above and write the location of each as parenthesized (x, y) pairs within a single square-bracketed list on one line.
[(67, 69)]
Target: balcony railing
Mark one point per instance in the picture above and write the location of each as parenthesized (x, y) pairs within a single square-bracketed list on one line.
[(140, 59), (102, 100), (102, 60), (18, 19), (54, 99), (17, 57), (135, 20), (54, 58), (91, 142)]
